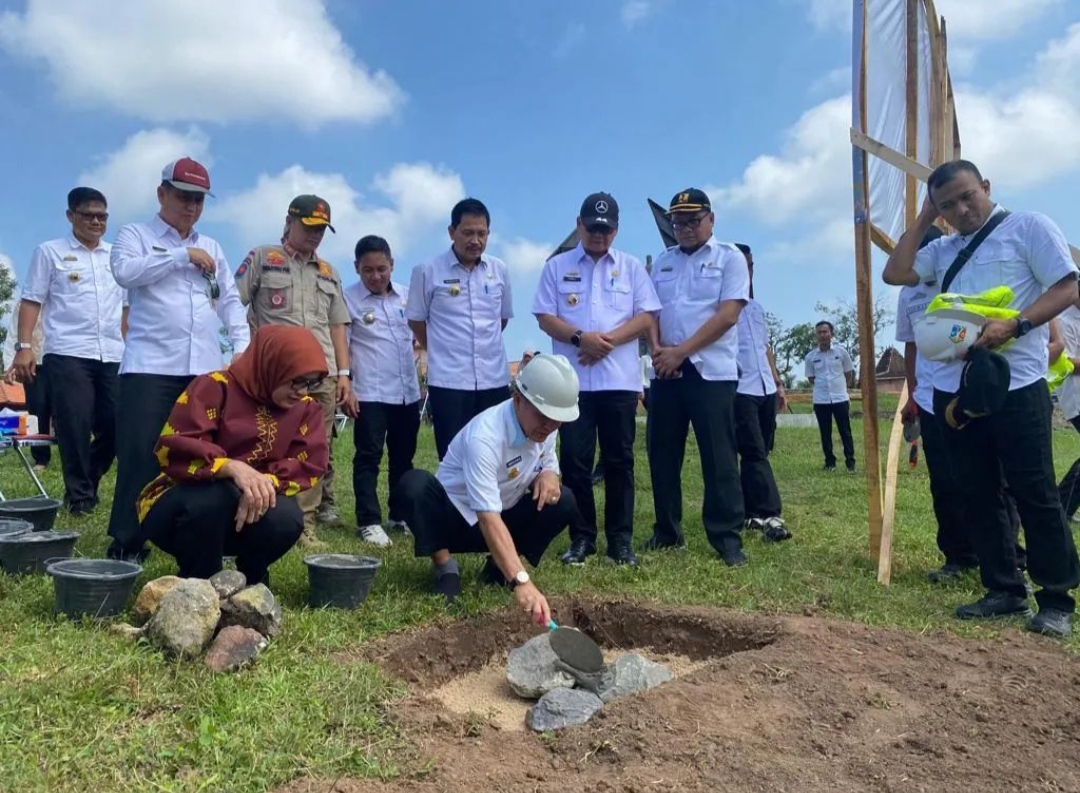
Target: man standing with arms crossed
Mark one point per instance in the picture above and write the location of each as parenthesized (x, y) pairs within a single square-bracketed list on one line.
[(459, 304), (1026, 252), (180, 291), (287, 284), (595, 302)]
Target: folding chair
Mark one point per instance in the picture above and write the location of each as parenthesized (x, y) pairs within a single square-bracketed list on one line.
[(19, 444)]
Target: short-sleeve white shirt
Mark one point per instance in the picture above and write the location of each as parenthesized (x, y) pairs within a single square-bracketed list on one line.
[(828, 368), (910, 310), (1069, 392), (755, 373), (380, 346)]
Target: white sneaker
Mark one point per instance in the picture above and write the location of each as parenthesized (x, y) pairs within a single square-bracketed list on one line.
[(400, 525), (375, 535)]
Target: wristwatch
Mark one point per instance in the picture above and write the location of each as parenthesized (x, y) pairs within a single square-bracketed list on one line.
[(22, 345), (1023, 325), (344, 373), (576, 338), (522, 577)]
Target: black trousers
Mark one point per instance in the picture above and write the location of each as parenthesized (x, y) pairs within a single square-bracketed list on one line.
[(83, 393), (37, 404), (841, 411), (437, 525), (453, 408), (709, 406), (1068, 490), (1014, 441), (381, 423), (953, 538), (611, 417), (754, 415), (196, 524), (144, 406)]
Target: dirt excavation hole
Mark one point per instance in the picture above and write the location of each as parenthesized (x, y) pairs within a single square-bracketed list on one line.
[(464, 667)]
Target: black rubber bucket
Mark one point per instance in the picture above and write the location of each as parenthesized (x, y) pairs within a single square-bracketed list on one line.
[(339, 580), (92, 587), (39, 510), (15, 526), (27, 552)]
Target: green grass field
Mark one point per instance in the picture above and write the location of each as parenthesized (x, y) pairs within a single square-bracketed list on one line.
[(84, 710)]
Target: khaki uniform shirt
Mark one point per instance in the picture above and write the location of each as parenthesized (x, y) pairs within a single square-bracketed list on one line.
[(280, 289)]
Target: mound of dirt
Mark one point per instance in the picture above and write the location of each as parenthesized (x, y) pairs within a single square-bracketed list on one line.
[(791, 704)]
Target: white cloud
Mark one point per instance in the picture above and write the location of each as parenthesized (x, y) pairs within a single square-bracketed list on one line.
[(130, 175), (572, 36), (522, 255), (839, 79), (966, 19), (420, 198), (201, 60), (633, 11)]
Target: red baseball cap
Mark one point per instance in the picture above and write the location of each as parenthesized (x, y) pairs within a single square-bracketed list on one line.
[(187, 174)]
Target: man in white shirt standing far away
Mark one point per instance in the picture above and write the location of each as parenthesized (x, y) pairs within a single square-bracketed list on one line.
[(459, 304), (70, 288), (385, 399), (756, 398), (498, 489), (180, 291), (831, 374), (1027, 253), (595, 302)]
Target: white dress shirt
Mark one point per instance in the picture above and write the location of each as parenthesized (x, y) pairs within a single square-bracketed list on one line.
[(37, 338), (490, 463), (173, 327), (1027, 253), (910, 310), (380, 346), (691, 288), (828, 368), (755, 372), (80, 300), (1068, 393), (597, 297), (464, 311)]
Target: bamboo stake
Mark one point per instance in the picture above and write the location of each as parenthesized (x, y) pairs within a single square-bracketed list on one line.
[(911, 187), (892, 466)]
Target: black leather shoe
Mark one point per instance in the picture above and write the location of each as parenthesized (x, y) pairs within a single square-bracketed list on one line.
[(579, 551), (735, 558), (622, 555), (994, 605), (949, 572), (656, 543), (1051, 622), (448, 585)]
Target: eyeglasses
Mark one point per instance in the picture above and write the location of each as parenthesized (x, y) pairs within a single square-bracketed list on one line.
[(189, 196), (306, 384), (100, 217), (215, 288), (688, 223), (600, 228)]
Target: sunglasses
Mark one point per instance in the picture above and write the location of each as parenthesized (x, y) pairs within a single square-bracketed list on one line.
[(215, 288), (689, 223), (189, 196), (600, 228), (100, 217), (306, 384)]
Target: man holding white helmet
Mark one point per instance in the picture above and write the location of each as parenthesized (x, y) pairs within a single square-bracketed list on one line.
[(1027, 253), (498, 489)]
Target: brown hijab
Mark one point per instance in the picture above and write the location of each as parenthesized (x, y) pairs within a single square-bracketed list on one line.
[(277, 355)]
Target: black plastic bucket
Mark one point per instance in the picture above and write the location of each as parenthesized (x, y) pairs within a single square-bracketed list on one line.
[(14, 526), (27, 552), (92, 587), (339, 580), (39, 510)]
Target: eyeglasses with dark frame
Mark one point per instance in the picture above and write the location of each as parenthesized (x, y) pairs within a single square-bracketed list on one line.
[(100, 217), (688, 223), (600, 228), (306, 383)]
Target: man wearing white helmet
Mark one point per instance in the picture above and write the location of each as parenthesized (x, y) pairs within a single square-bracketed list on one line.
[(498, 489), (1027, 253)]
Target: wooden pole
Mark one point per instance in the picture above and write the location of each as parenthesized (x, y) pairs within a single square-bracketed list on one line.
[(911, 191), (864, 297), (892, 465)]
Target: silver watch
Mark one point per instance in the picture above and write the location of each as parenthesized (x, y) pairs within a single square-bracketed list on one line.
[(522, 577), (22, 345)]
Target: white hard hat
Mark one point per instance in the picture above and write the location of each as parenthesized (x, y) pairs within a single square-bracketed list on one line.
[(550, 383), (947, 334)]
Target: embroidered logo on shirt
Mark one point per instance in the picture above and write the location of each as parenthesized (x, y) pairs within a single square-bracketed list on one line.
[(514, 473), (324, 269), (277, 299), (73, 277), (455, 290), (244, 265), (275, 258), (571, 300)]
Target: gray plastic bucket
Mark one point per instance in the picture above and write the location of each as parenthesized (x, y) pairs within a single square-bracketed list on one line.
[(92, 587), (340, 580), (39, 510), (14, 526), (27, 552)]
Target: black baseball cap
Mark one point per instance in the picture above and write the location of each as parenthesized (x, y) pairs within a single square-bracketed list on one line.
[(690, 200), (600, 209), (984, 385), (311, 210)]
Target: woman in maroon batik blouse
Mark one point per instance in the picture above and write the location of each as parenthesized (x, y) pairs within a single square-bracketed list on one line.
[(237, 448)]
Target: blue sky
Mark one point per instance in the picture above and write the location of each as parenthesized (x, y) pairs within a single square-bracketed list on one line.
[(394, 109)]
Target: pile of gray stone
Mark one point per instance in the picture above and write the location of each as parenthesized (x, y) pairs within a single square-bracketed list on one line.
[(565, 696), (185, 616)]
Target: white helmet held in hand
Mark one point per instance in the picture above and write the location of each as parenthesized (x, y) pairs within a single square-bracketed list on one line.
[(947, 334), (551, 385)]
